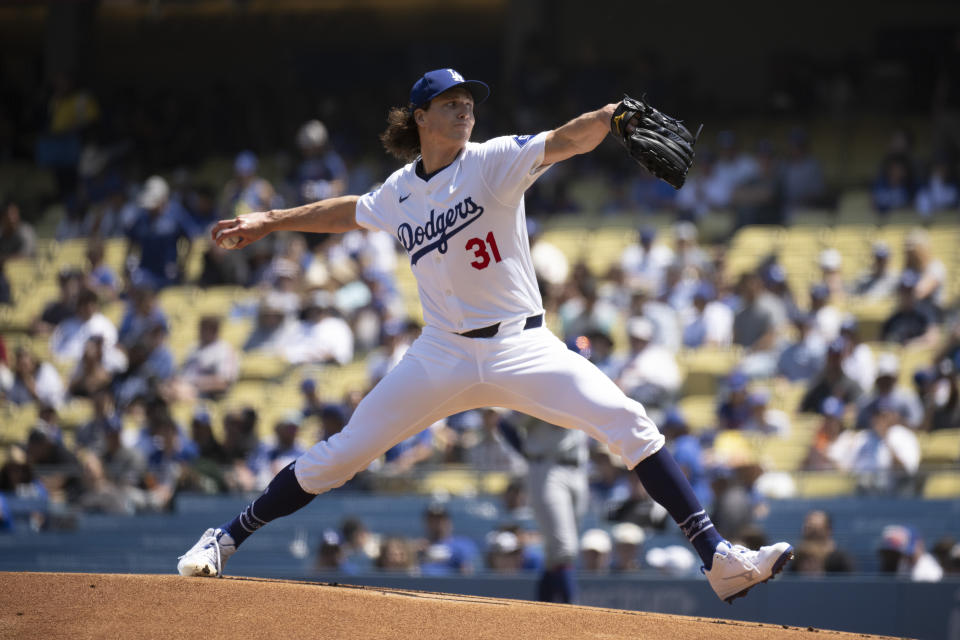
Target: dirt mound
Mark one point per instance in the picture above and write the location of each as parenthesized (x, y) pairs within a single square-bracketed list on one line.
[(83, 605)]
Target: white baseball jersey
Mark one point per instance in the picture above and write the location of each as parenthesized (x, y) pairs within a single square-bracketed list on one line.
[(465, 232)]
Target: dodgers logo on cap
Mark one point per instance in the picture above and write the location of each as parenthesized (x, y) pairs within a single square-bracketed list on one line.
[(435, 82)]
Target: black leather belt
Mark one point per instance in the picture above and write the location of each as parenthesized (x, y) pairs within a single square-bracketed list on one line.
[(488, 332)]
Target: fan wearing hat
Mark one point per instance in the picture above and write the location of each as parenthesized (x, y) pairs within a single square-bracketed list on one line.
[(878, 282), (911, 323), (904, 400), (153, 235), (651, 374), (831, 381), (246, 191), (647, 260), (457, 209), (321, 172), (931, 273), (902, 551)]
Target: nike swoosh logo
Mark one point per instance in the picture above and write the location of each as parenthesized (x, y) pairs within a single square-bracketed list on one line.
[(402, 198)]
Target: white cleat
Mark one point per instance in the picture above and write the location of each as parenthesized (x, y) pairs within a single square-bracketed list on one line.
[(737, 569), (208, 555)]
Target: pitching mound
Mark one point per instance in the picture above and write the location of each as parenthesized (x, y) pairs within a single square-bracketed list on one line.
[(78, 605)]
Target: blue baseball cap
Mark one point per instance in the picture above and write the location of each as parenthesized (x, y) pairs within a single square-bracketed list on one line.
[(832, 407), (435, 82)]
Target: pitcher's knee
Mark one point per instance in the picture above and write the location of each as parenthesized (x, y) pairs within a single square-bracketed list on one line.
[(324, 466)]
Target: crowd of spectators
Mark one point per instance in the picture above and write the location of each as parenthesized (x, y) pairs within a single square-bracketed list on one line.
[(330, 300)]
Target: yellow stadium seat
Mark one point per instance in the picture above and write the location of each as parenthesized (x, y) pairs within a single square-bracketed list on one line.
[(943, 484), (699, 411), (458, 482), (262, 366), (940, 446), (823, 484)]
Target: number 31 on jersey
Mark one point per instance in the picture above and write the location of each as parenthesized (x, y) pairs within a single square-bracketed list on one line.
[(480, 252)]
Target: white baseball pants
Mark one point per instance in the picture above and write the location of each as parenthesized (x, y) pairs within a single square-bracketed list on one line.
[(529, 371)]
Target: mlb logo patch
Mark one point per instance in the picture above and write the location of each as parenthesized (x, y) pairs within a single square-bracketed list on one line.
[(521, 140)]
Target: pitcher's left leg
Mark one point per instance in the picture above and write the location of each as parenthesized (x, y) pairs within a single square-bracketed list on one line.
[(540, 376)]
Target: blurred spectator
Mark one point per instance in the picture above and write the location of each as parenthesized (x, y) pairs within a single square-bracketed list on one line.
[(90, 375), (911, 323), (942, 401), (70, 281), (396, 555), (274, 332), (894, 187), (585, 310), (143, 311), (734, 167), (56, 467), (324, 336), (802, 178), (638, 507), (811, 560), (775, 283), (153, 235), (885, 389), (330, 555), (757, 199), (708, 322), (885, 458), (443, 553), (504, 552), (820, 456), (672, 561), (763, 419), (490, 451), (758, 321), (826, 317), (273, 457), (17, 238), (930, 271), (150, 365), (651, 375), (734, 409), (241, 444), (93, 434), (647, 261), (688, 453), (903, 552), (211, 367), (804, 358), (879, 282), (628, 541), (321, 173), (246, 191), (687, 252), (858, 362), (832, 381), (549, 262), (34, 381), (360, 546), (595, 548), (408, 453), (940, 192), (99, 276), (704, 190), (667, 329), (18, 479), (830, 262), (223, 267)]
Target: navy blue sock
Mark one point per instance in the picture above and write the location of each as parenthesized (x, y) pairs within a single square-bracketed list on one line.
[(664, 481), (283, 496), (557, 585)]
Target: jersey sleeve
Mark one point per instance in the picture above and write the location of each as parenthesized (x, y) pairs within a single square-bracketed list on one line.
[(374, 209), (510, 164)]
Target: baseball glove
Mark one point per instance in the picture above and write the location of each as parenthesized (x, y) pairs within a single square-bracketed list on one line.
[(661, 144)]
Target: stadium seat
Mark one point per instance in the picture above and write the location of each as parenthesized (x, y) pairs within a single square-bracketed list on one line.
[(943, 484), (457, 482), (940, 446), (822, 484)]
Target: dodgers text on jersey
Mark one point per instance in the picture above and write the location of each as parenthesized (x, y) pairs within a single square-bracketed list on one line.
[(438, 229)]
